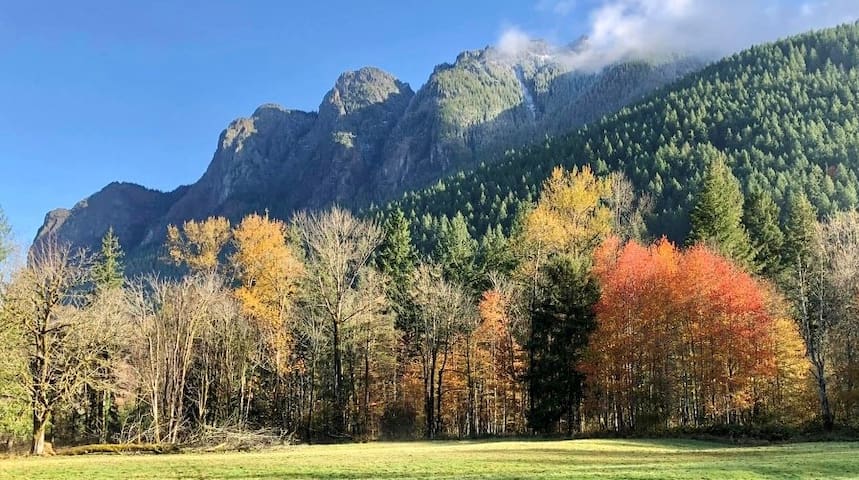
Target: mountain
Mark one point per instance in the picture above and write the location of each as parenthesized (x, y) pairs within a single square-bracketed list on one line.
[(371, 139), (785, 114)]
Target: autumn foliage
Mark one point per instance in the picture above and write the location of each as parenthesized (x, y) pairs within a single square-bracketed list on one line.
[(270, 272), (686, 338), (333, 327)]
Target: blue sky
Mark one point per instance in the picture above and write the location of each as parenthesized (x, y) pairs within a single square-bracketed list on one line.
[(97, 91)]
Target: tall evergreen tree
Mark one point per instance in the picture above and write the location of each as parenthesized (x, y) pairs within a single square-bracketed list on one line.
[(761, 218), (562, 321), (717, 214), (456, 251), (396, 258), (799, 230), (804, 281), (108, 271), (496, 253)]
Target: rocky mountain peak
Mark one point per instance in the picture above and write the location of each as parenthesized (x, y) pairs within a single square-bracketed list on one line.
[(265, 119), (359, 89)]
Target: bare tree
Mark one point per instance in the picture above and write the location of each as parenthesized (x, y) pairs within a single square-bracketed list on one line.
[(67, 338), (443, 310), (370, 345), (839, 245), (170, 319), (339, 248), (629, 210), (312, 340), (225, 358)]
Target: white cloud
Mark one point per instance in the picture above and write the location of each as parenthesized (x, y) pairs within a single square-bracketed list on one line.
[(513, 41), (621, 28)]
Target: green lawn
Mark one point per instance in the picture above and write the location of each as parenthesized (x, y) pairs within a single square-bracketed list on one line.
[(603, 459)]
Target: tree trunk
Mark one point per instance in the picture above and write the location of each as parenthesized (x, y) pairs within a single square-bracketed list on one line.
[(40, 425), (40, 403), (429, 397), (365, 428), (339, 403), (825, 409), (472, 407), (106, 404), (312, 399), (439, 426)]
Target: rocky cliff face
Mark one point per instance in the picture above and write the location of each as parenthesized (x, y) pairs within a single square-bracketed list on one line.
[(130, 209), (371, 139)]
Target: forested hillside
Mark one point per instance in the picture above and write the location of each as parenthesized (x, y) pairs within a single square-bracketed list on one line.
[(784, 113)]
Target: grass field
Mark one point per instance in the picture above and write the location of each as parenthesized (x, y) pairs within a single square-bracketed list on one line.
[(602, 459)]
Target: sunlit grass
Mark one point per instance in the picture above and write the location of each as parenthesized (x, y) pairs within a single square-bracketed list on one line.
[(602, 459)]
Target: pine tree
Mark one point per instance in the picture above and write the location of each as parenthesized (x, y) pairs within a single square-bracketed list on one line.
[(103, 415), (496, 252), (804, 282), (718, 212), (799, 228), (562, 321), (456, 251), (761, 218), (108, 272), (396, 254), (396, 258)]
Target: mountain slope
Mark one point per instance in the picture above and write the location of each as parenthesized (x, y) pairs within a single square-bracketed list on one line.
[(373, 138), (785, 114)]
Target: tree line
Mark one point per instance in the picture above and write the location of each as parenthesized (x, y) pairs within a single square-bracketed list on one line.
[(332, 327)]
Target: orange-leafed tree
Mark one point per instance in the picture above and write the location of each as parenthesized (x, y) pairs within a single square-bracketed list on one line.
[(501, 358), (634, 331), (726, 324), (686, 338)]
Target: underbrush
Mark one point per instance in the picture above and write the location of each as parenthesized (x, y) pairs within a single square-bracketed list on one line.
[(121, 448), (759, 434), (221, 439)]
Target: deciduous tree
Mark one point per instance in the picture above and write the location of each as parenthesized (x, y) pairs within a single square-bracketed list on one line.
[(66, 341), (270, 274), (339, 248), (198, 244)]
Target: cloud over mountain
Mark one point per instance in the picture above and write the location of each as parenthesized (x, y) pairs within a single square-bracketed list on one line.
[(617, 29)]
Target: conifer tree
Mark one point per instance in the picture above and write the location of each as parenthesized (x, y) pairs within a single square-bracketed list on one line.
[(496, 252), (718, 212), (804, 281), (107, 276), (562, 321), (456, 250), (761, 218), (396, 258), (108, 271), (799, 227)]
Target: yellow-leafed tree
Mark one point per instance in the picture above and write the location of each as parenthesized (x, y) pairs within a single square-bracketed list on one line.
[(573, 215), (198, 244), (269, 270)]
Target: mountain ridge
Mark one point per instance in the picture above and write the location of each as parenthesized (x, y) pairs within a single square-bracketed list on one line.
[(371, 139)]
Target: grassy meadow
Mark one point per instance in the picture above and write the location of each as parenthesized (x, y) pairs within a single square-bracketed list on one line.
[(586, 459)]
